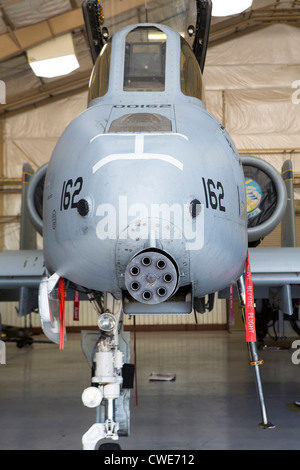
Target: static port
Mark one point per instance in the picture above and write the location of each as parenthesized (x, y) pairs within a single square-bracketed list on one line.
[(168, 277), (147, 295), (135, 286), (146, 261), (135, 270), (161, 291), (161, 264)]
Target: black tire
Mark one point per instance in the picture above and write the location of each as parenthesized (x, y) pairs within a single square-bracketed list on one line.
[(109, 446)]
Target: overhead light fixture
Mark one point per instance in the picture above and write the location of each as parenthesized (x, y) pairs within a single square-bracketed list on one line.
[(156, 36), (53, 58), (229, 7)]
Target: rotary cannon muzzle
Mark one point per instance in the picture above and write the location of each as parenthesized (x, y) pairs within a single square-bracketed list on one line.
[(151, 277)]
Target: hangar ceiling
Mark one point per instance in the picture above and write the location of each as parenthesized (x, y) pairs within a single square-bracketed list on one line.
[(26, 23)]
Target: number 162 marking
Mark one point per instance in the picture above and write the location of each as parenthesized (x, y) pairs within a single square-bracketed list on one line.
[(214, 194), (69, 193)]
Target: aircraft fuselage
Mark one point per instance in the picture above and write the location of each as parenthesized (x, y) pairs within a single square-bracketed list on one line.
[(145, 171)]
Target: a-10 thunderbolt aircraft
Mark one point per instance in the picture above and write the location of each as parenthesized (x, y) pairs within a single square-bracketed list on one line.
[(144, 203)]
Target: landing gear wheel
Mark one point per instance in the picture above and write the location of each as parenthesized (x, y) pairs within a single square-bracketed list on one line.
[(110, 446)]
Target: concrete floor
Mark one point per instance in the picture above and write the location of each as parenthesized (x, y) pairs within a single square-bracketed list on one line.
[(211, 405)]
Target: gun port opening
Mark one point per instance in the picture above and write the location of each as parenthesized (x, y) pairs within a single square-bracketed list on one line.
[(147, 295), (161, 291), (135, 286), (146, 261), (135, 270), (168, 277), (161, 264)]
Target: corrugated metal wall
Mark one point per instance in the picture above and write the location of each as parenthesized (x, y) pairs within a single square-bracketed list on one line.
[(88, 316)]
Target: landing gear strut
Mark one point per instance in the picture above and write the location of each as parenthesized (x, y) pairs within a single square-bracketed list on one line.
[(106, 393)]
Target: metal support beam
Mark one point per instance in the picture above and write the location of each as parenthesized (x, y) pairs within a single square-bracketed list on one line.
[(10, 181)]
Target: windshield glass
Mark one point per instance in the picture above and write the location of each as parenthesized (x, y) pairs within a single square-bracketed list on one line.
[(100, 76), (190, 73), (145, 58)]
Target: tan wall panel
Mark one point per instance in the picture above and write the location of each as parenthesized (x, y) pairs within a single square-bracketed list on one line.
[(88, 316), (274, 238)]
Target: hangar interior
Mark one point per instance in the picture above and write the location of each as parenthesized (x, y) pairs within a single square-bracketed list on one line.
[(252, 86)]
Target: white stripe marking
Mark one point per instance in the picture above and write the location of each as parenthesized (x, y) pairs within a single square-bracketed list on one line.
[(138, 155), (114, 134)]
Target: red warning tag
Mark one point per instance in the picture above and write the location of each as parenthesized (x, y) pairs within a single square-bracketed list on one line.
[(76, 306), (249, 307), (231, 308)]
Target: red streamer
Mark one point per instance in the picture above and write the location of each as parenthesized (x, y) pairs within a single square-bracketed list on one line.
[(61, 299), (249, 307)]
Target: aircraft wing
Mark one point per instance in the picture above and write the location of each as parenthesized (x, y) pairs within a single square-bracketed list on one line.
[(275, 266), (19, 268), (275, 275)]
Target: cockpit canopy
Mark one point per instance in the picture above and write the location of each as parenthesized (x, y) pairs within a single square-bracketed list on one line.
[(145, 65)]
